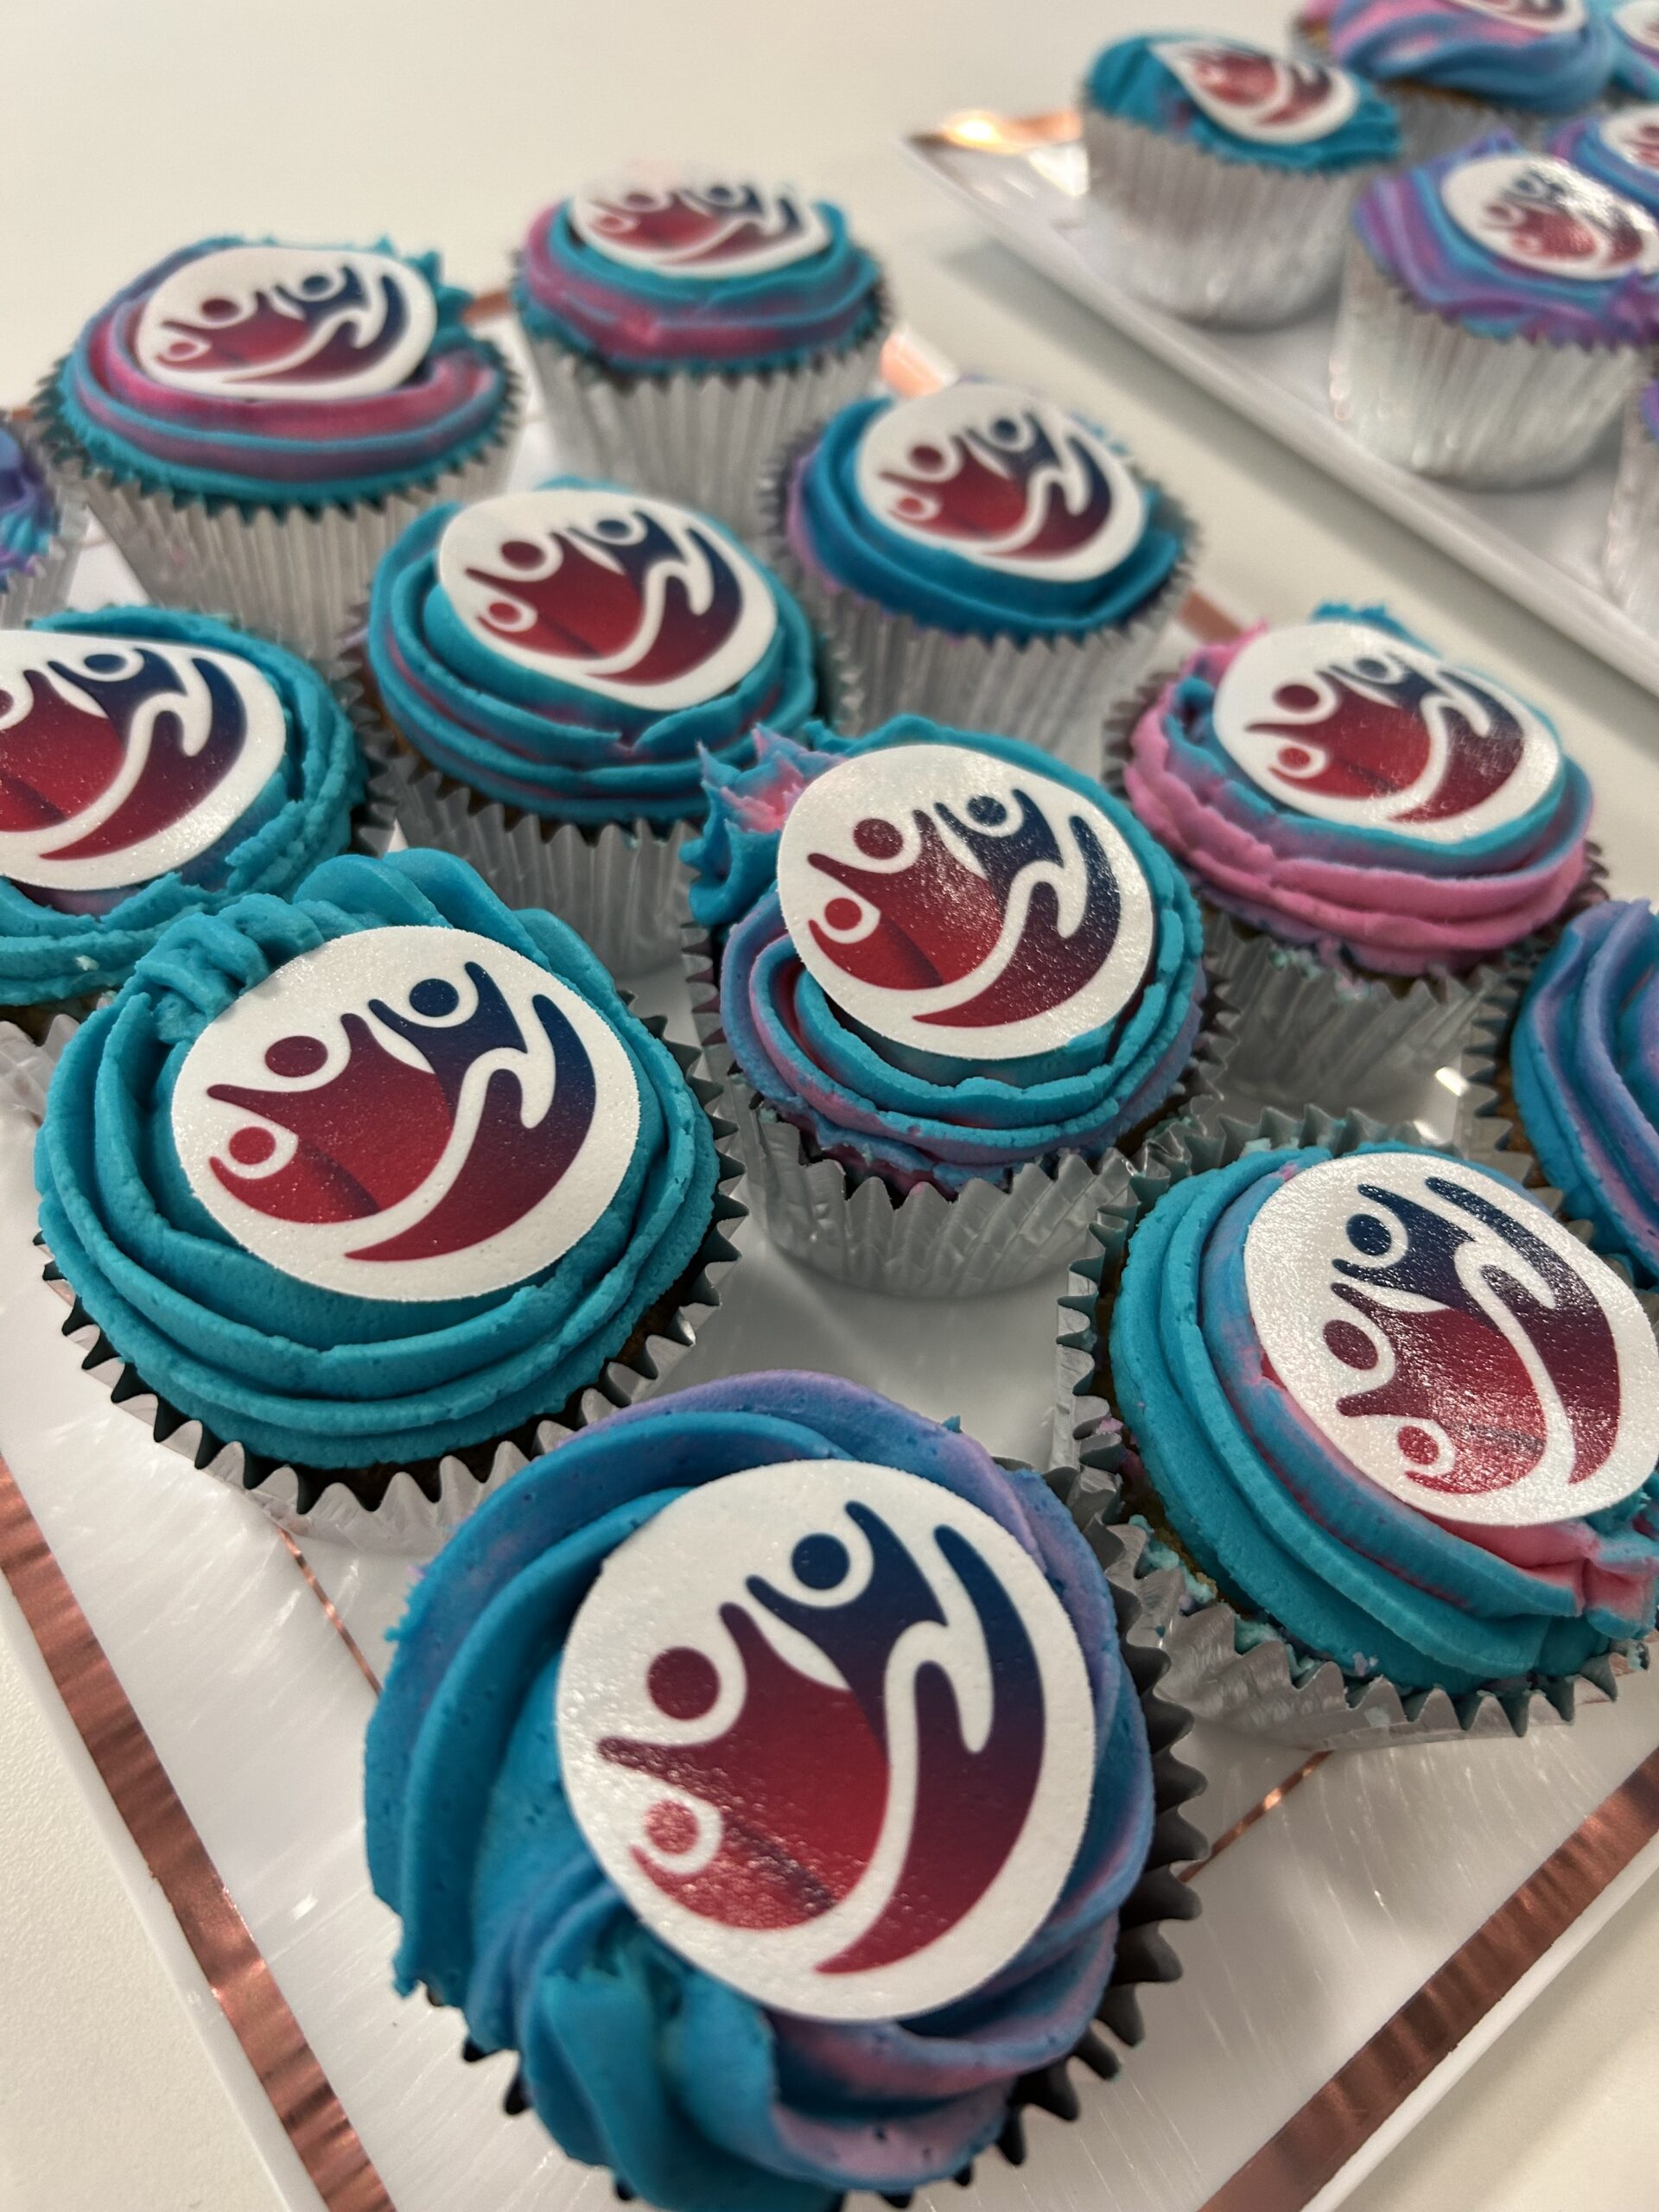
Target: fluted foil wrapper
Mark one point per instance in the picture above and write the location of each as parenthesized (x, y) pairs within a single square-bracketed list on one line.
[(1268, 1688), (421, 1503), (1498, 413), (1630, 563), (1053, 692), (699, 436), (42, 587), (1241, 243)]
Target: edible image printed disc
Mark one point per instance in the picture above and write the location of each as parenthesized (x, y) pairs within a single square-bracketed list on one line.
[(712, 227), (1633, 132), (122, 757), (1352, 725), (287, 323), (829, 1731), (1639, 22), (1001, 477), (1547, 17), (1454, 1341), (961, 905), (1541, 214), (407, 1114), (635, 600), (1261, 96)]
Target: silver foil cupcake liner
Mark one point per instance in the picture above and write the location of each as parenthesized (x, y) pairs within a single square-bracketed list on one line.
[(1630, 561), (1240, 243), (412, 1508), (1226, 1667), (293, 573), (698, 437), (1500, 413), (1434, 123), (1052, 692)]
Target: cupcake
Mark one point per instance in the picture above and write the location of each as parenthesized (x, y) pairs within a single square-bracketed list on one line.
[(549, 664), (153, 765), (1356, 813), (253, 424), (1497, 310), (752, 1958), (1620, 149), (983, 557), (1388, 1435), (1630, 561), (970, 984), (680, 330), (39, 536), (1456, 69), (1635, 27), (392, 1046), (1227, 174)]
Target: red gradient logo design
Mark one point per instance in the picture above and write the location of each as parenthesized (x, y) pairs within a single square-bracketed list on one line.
[(287, 323), (1353, 725), (714, 227), (962, 905), (407, 1112), (1460, 1347), (121, 757), (1258, 95), (1002, 479), (635, 600), (1541, 214), (828, 1728), (1633, 133)]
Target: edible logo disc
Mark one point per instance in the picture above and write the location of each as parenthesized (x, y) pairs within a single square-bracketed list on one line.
[(407, 1114), (1454, 1340), (959, 904), (1261, 96), (1539, 212), (715, 228), (632, 598), (1003, 479), (1639, 20), (287, 323), (1353, 725), (1546, 17), (122, 757), (829, 1731), (1632, 133)]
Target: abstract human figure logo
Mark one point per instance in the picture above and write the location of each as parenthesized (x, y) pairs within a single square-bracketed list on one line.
[(715, 227)]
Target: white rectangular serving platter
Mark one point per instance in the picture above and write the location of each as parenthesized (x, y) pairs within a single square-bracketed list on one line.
[(1026, 181)]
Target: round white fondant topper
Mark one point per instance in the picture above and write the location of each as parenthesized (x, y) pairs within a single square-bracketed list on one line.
[(1632, 133), (960, 905), (1353, 725), (409, 1113), (1538, 212), (711, 228), (828, 1729), (1638, 22), (1257, 95), (122, 758), (1454, 1341), (1001, 477), (1548, 18), (287, 323), (633, 599)]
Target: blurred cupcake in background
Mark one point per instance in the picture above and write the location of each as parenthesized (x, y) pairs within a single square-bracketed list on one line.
[(1635, 28), (684, 327), (983, 556), (1631, 561), (253, 424), (40, 533), (1620, 148), (1498, 308), (1229, 173)]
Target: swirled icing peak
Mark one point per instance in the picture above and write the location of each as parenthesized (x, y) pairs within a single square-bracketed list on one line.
[(1244, 103), (734, 860), (1548, 56), (29, 513)]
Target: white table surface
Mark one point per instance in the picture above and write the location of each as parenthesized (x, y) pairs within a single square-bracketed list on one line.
[(133, 125)]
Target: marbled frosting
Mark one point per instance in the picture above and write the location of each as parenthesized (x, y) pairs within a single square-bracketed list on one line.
[(313, 1376), (1635, 27), (697, 2098), (1507, 60), (1130, 80), (29, 513), (1588, 145), (1266, 1504), (733, 861)]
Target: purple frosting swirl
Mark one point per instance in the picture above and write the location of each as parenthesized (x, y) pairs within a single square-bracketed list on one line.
[(1544, 55)]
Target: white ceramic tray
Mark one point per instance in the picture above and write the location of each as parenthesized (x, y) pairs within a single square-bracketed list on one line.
[(1024, 179)]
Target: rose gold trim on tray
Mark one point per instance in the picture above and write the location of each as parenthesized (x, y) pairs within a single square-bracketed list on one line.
[(288, 2073), (331, 1611)]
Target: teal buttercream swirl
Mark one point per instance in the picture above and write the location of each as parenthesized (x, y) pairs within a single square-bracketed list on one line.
[(50, 953), (838, 539), (1271, 1510), (734, 859), (538, 742), (1514, 61), (1130, 80), (316, 1377), (697, 2098)]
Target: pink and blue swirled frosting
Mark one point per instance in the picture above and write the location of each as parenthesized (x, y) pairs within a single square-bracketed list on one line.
[(696, 2097), (1510, 62), (1272, 1510), (306, 451), (29, 513), (1130, 80)]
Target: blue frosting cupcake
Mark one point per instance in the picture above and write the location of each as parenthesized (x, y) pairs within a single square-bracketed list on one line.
[(660, 2030), (1241, 103), (168, 764), (376, 1174)]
